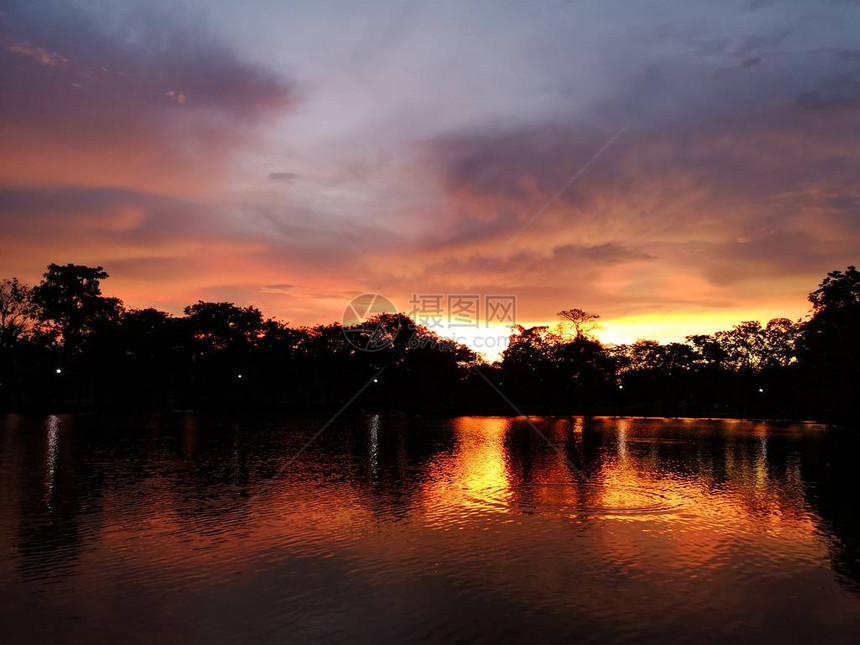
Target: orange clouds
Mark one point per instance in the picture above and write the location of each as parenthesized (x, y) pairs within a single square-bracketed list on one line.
[(731, 193), (41, 56)]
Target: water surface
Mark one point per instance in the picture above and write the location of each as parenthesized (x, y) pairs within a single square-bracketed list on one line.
[(184, 529)]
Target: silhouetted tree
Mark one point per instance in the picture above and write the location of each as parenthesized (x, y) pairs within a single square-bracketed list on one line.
[(838, 293), (656, 377), (219, 326), (587, 371), (781, 343), (17, 311), (530, 365), (221, 354), (544, 368), (743, 346), (710, 355), (583, 322), (70, 302), (830, 350)]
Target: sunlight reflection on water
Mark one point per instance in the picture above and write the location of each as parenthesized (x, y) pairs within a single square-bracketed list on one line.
[(408, 529)]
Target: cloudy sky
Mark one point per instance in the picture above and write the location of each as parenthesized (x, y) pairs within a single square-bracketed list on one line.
[(293, 155)]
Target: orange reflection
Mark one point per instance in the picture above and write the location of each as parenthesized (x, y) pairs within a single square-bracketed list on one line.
[(475, 475), (685, 501)]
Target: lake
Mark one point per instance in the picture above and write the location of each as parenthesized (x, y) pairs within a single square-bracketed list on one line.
[(181, 528)]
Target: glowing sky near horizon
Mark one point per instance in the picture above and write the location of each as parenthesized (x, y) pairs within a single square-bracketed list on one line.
[(179, 145)]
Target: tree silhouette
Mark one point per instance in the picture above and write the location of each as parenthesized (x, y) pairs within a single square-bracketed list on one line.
[(582, 321), (17, 311), (70, 302), (220, 326), (221, 354), (839, 291), (830, 351), (543, 368)]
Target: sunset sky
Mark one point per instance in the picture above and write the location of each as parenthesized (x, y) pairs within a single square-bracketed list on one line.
[(180, 145)]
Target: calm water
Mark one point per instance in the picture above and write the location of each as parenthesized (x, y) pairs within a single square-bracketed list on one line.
[(181, 529)]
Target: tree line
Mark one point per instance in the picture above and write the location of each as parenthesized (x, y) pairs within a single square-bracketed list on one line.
[(66, 346)]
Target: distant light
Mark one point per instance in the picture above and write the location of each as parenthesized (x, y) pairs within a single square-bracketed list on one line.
[(761, 389), (375, 381), (59, 371), (239, 376), (620, 387)]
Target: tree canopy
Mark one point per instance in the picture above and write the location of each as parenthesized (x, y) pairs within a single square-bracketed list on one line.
[(65, 345)]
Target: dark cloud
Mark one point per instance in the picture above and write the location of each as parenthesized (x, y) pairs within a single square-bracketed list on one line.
[(147, 221), (278, 288), (765, 40), (608, 253), (834, 94), (283, 176), (533, 268), (510, 163), (58, 212), (137, 60), (78, 92)]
